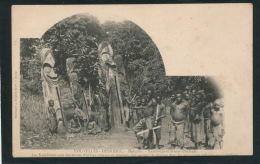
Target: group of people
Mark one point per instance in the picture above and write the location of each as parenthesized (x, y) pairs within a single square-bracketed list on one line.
[(193, 114), (93, 124), (97, 120), (198, 116)]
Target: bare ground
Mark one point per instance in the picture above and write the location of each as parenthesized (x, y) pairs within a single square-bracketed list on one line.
[(124, 140)]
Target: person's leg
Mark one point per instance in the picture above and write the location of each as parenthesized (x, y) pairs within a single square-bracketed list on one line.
[(217, 136), (135, 117), (216, 145), (186, 127), (197, 135), (157, 143), (180, 135), (75, 130), (207, 135), (102, 119), (202, 134), (194, 134), (82, 120), (148, 135), (192, 131), (56, 126), (140, 141), (172, 135), (158, 137), (221, 144), (211, 141), (126, 115), (189, 129), (53, 124), (137, 128)]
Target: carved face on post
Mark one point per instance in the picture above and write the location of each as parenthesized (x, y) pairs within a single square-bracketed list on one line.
[(70, 70), (109, 78), (48, 62), (49, 80), (105, 54), (73, 76), (107, 64)]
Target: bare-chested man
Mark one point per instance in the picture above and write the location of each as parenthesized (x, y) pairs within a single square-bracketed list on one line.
[(217, 123), (178, 112)]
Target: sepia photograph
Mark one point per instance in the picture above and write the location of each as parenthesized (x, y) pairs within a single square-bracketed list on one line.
[(98, 86)]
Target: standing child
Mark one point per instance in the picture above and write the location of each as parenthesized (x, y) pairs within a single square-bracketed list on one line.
[(217, 124), (52, 117)]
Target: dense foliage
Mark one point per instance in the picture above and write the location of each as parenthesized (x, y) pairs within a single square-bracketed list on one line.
[(78, 36), (30, 65), (143, 62)]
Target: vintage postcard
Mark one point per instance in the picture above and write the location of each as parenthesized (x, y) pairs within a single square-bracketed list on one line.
[(132, 80)]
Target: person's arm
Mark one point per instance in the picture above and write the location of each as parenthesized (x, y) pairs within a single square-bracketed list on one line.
[(197, 109), (187, 107), (170, 106), (150, 103), (128, 100), (79, 122), (163, 113), (47, 114), (55, 111)]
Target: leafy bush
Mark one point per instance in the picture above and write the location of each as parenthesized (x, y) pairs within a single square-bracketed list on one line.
[(32, 111)]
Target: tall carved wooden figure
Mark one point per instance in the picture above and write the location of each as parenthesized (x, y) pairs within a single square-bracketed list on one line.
[(50, 86), (109, 78), (73, 77), (75, 87)]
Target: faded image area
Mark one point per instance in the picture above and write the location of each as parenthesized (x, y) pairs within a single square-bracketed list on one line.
[(103, 86)]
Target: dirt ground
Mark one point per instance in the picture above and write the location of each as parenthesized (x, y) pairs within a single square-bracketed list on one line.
[(124, 140)]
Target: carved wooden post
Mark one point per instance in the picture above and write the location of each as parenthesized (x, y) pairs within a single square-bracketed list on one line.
[(74, 85), (50, 85), (109, 78), (73, 77)]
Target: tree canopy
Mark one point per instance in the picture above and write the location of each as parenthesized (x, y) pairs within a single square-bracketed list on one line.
[(142, 59), (78, 36)]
